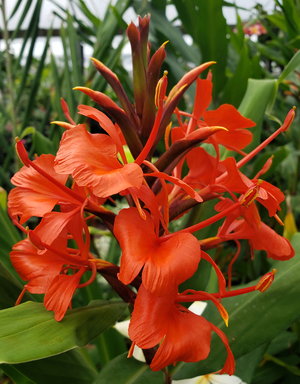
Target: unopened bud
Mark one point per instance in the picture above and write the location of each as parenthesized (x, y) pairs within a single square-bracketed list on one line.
[(161, 89), (288, 120), (22, 153), (266, 281)]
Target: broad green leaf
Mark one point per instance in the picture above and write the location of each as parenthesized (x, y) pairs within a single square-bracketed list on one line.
[(236, 86), (10, 289), (282, 342), (67, 368), (29, 332), (15, 375), (205, 22), (254, 318), (8, 237), (110, 344), (293, 64), (278, 20), (41, 143), (246, 365), (259, 97), (122, 370)]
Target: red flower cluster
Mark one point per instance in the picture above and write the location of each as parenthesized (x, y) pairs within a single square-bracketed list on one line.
[(153, 260)]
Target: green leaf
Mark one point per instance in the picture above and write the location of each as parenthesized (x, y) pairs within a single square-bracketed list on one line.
[(8, 237), (3, 198), (236, 86), (259, 97), (15, 375), (246, 365), (29, 332), (278, 20), (254, 318), (122, 370), (10, 289), (205, 22), (41, 143), (282, 342), (36, 83), (76, 56), (290, 67), (67, 368)]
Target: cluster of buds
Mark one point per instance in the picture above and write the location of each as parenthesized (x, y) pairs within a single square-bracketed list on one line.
[(154, 261)]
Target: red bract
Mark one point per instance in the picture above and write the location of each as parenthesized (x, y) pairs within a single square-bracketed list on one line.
[(165, 263)]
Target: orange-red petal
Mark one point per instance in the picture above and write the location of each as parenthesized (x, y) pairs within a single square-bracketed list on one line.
[(92, 162), (167, 263)]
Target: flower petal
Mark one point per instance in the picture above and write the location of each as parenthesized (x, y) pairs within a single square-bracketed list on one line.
[(92, 162), (167, 263)]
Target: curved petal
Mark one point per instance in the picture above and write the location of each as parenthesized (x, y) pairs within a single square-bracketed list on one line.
[(228, 116), (60, 293), (40, 270), (35, 195), (186, 336), (92, 162)]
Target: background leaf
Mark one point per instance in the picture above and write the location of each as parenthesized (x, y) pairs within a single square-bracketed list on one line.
[(122, 370), (26, 329)]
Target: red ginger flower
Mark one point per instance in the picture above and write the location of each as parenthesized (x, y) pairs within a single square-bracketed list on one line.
[(236, 137), (47, 274), (165, 263), (92, 161), (260, 238), (184, 335), (34, 194)]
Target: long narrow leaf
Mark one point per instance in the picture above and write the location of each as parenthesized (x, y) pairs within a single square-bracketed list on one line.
[(36, 83), (22, 17)]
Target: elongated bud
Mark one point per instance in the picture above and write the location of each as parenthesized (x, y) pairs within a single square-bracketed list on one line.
[(22, 153), (66, 111), (266, 281), (288, 120), (265, 168), (161, 89), (251, 194), (35, 240)]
